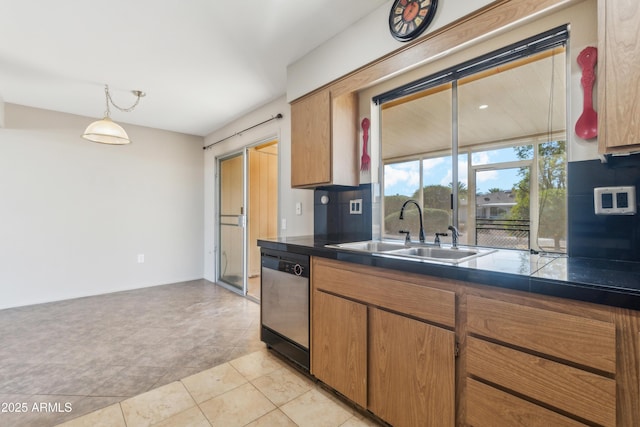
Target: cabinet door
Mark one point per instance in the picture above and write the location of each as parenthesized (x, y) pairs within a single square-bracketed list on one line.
[(618, 75), (339, 345), (411, 371), (311, 140)]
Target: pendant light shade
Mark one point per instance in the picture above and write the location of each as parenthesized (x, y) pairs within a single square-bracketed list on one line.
[(106, 131)]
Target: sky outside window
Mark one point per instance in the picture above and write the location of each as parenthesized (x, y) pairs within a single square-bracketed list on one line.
[(404, 178)]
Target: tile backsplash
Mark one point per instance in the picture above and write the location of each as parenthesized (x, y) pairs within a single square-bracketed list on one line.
[(333, 222), (615, 237)]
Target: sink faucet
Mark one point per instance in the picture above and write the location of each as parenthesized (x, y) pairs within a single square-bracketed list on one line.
[(420, 216), (454, 236)]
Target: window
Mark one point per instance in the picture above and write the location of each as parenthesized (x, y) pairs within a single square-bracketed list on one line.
[(495, 127)]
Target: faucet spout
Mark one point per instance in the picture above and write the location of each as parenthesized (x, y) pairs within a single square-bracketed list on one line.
[(419, 216)]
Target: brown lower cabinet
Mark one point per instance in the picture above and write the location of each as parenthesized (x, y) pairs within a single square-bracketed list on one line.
[(489, 406), (558, 361), (417, 350), (340, 345), (411, 371), (399, 367)]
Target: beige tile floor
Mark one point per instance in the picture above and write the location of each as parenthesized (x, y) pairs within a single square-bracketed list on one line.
[(254, 390)]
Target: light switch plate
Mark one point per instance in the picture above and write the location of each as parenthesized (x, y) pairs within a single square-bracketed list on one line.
[(355, 207), (615, 200)]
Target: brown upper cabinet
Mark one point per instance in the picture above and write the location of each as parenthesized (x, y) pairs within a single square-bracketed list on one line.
[(618, 76), (324, 140)]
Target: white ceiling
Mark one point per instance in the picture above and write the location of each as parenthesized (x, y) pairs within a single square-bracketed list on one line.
[(202, 63)]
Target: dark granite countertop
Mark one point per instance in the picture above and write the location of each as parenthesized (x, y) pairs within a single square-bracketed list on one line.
[(614, 283)]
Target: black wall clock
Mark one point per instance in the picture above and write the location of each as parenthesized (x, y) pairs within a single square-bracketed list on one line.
[(409, 18)]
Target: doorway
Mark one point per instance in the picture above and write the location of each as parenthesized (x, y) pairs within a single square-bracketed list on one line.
[(263, 207), (248, 200)]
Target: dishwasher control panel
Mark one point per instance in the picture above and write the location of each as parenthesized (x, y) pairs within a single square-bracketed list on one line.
[(294, 264), (291, 268)]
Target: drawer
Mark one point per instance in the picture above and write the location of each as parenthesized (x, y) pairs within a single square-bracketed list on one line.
[(413, 299), (571, 390), (579, 340), (490, 407)]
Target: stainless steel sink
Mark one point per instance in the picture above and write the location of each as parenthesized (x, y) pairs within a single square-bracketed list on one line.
[(414, 251), (370, 246), (449, 255), (434, 252)]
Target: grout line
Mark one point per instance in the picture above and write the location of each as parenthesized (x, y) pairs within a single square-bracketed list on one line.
[(122, 412), (198, 406)]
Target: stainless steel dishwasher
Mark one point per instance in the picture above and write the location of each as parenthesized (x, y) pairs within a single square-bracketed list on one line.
[(284, 304)]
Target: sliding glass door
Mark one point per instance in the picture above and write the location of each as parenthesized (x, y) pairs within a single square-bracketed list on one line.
[(248, 211), (232, 220)]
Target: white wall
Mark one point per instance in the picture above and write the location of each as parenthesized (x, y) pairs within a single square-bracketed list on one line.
[(364, 42), (74, 215), (1, 112), (296, 225)]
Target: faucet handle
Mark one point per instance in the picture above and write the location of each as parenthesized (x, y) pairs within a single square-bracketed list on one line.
[(407, 238), (437, 240)]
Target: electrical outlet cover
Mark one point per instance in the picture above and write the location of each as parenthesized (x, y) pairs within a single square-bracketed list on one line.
[(355, 207), (615, 200)]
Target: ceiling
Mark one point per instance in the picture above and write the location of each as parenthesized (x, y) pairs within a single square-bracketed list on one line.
[(202, 63)]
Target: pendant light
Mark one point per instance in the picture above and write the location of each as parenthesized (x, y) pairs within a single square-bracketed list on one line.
[(106, 131)]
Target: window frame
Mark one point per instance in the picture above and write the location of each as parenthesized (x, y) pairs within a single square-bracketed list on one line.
[(546, 41)]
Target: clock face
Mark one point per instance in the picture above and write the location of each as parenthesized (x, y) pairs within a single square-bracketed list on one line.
[(409, 18)]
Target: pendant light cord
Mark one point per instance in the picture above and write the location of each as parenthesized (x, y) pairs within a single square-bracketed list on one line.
[(137, 93)]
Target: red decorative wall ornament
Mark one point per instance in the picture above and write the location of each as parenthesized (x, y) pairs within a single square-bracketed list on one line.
[(587, 124), (365, 161)]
